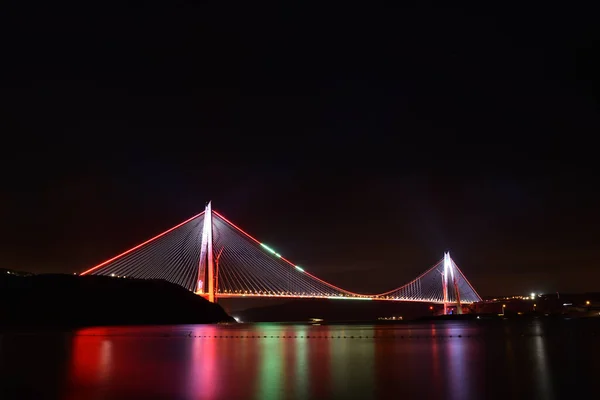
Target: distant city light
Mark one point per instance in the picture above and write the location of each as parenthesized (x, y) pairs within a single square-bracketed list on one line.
[(112, 274), (532, 296), (587, 303)]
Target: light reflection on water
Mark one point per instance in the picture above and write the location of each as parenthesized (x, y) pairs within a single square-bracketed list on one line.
[(502, 360), (542, 370)]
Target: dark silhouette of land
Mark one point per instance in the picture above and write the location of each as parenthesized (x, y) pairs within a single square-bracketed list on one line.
[(74, 301)]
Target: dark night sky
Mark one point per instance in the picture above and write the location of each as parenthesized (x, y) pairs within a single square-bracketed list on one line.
[(360, 143)]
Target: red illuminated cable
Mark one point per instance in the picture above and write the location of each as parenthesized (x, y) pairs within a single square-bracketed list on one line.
[(140, 245), (287, 261)]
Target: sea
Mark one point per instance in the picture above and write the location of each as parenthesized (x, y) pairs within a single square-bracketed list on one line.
[(536, 358)]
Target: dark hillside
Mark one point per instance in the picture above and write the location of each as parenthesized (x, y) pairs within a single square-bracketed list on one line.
[(68, 300)]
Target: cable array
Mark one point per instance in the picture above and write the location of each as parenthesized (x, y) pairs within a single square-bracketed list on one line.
[(243, 266), (428, 287), (247, 267), (173, 256)]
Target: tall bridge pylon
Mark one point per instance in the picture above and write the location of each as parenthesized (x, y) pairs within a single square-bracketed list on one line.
[(214, 258)]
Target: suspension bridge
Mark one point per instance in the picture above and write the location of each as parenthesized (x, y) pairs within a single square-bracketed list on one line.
[(214, 258)]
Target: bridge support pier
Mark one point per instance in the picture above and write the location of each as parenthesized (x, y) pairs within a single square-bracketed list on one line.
[(206, 289), (449, 269), (209, 258)]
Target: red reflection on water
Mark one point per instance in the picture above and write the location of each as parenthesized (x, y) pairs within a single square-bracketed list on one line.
[(219, 365), (435, 358), (119, 359), (85, 361), (233, 362), (202, 378), (319, 364), (91, 362)]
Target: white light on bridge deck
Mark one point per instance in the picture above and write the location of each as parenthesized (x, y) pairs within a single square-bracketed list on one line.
[(349, 298), (298, 268)]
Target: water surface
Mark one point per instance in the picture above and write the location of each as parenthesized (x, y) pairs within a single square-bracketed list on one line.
[(535, 359)]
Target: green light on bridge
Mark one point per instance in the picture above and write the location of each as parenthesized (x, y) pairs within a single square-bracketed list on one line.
[(270, 250), (298, 268)]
